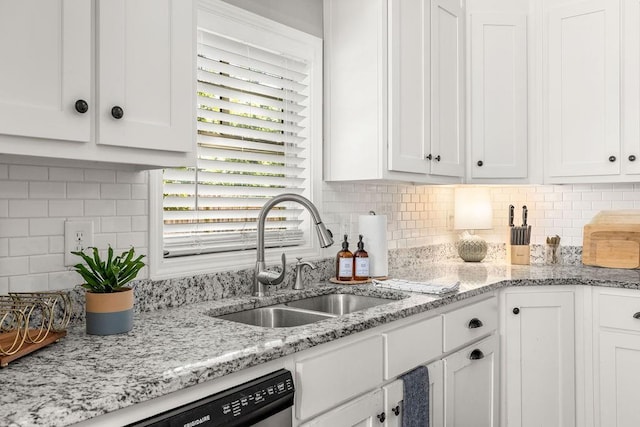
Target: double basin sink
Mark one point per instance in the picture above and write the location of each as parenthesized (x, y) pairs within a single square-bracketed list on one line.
[(305, 311)]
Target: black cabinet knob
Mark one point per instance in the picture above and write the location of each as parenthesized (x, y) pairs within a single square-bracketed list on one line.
[(428, 157), (476, 354), (437, 159), (81, 106), (480, 163), (612, 159), (382, 417), (396, 410), (117, 112), (632, 158), (516, 310), (637, 315), (475, 323)]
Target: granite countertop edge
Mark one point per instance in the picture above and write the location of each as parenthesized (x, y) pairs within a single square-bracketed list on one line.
[(84, 376)]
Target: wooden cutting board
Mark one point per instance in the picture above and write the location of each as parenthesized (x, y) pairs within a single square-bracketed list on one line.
[(612, 239)]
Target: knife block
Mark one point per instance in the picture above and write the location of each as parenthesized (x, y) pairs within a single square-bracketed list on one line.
[(519, 254)]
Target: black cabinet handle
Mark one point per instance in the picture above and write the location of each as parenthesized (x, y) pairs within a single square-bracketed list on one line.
[(437, 158), (396, 410), (476, 354), (480, 163), (612, 159), (516, 310), (117, 112), (475, 323), (382, 417), (428, 157), (632, 158), (637, 315), (81, 106)]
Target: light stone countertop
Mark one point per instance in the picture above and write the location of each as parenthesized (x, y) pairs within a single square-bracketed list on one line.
[(85, 376)]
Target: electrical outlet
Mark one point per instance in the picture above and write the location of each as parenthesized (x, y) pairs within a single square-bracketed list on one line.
[(78, 235)]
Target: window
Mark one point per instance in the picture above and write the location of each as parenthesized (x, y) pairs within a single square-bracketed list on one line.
[(259, 134)]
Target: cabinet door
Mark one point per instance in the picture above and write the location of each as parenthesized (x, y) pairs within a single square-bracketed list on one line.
[(364, 411), (409, 109), (436, 393), (45, 48), (583, 99), (498, 95), (447, 81), (471, 385), (393, 403), (540, 359), (146, 68), (631, 87), (619, 379)]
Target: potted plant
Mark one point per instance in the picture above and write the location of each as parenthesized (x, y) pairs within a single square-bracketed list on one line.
[(109, 303)]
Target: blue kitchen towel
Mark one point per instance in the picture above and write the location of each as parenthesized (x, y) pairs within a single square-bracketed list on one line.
[(415, 405)]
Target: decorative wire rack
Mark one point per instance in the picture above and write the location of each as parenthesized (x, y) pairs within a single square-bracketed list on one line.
[(30, 321)]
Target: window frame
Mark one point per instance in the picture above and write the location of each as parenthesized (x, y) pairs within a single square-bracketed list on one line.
[(252, 28)]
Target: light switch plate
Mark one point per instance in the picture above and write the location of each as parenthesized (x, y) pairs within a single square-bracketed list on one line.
[(78, 236)]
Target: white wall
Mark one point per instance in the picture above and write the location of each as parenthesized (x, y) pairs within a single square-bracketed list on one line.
[(303, 15), (35, 201)]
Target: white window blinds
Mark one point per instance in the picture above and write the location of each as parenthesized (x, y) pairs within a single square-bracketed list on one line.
[(252, 145)]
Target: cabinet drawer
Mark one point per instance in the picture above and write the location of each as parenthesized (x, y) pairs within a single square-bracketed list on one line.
[(468, 323), (412, 345), (618, 311), (328, 379)]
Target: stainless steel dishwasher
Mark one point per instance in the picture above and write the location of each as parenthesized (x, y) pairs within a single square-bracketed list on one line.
[(264, 401)]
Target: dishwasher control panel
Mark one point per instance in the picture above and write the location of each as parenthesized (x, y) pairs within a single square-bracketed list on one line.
[(242, 405)]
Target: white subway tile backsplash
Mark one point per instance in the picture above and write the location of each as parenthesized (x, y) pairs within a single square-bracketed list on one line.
[(66, 208), (136, 239), (83, 190), (116, 224), (99, 175), (4, 285), (47, 190), (4, 247), (34, 173), (14, 227), (66, 174), (140, 191), (14, 189), (115, 191), (30, 283), (20, 246), (27, 208), (13, 266), (56, 244), (131, 207), (45, 263), (100, 207), (45, 227), (63, 280)]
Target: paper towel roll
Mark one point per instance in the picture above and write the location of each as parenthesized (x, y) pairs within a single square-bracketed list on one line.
[(374, 231)]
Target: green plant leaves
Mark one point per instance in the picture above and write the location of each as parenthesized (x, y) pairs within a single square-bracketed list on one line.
[(110, 275)]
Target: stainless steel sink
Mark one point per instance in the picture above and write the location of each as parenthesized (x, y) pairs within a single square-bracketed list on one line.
[(275, 317), (338, 304)]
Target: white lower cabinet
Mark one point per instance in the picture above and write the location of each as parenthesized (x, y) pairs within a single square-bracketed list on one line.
[(363, 411), (618, 349), (539, 358), (471, 385)]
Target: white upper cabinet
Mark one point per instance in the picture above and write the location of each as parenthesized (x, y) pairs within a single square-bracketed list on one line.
[(582, 100), (498, 95), (109, 81), (144, 69), (630, 159), (46, 67), (447, 83), (380, 102)]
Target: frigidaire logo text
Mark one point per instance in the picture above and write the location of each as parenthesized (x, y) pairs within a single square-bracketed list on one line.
[(198, 421)]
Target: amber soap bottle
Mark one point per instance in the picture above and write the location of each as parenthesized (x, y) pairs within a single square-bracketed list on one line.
[(344, 262), (360, 262)]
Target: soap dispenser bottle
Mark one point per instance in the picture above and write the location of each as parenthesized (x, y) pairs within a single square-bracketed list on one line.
[(344, 262), (360, 262)]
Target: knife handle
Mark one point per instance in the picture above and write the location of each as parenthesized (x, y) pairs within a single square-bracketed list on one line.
[(511, 215), (524, 215)]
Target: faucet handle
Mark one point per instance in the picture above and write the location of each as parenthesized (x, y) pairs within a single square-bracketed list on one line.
[(298, 283), (271, 277)]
